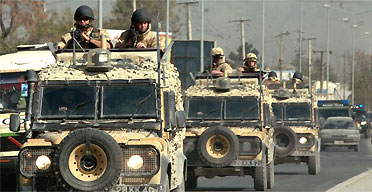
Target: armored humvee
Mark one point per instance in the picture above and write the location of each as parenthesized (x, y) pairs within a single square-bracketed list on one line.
[(296, 134), (103, 121), (228, 129)]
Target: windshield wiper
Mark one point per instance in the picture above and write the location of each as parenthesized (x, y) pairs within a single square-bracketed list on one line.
[(139, 105), (77, 106)]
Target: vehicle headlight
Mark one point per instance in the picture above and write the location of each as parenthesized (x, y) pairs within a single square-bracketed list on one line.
[(363, 123), (249, 145), (43, 162), (103, 58), (303, 140), (135, 162)]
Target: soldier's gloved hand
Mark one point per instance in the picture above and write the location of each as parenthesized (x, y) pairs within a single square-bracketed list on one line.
[(78, 36), (133, 34)]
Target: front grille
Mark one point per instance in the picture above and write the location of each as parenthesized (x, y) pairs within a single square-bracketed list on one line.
[(339, 136), (150, 156), (27, 160)]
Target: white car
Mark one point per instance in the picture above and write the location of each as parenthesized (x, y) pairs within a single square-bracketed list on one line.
[(339, 131)]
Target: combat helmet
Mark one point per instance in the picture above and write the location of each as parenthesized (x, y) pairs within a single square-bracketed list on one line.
[(297, 75), (272, 74), (251, 57), (83, 12), (140, 15)]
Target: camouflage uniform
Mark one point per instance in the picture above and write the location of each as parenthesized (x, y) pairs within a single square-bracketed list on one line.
[(271, 81), (148, 38), (223, 66), (94, 33)]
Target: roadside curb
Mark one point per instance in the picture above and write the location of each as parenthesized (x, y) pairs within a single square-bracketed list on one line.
[(361, 182)]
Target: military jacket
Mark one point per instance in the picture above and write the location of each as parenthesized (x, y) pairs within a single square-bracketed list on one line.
[(94, 33)]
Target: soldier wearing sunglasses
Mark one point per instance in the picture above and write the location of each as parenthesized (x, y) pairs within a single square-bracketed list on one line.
[(86, 35)]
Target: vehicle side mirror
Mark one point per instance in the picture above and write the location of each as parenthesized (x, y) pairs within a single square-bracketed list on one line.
[(14, 124), (170, 109), (180, 119)]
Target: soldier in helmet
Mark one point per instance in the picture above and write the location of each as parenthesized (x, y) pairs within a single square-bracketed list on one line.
[(86, 35), (272, 79), (297, 81), (219, 65), (249, 64), (139, 35)]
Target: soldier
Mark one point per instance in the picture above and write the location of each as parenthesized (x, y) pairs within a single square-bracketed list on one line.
[(139, 35), (297, 81), (86, 35), (272, 79), (219, 63), (249, 64)]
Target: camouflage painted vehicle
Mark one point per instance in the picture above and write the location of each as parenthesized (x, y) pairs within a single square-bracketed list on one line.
[(296, 135), (111, 121), (228, 130)]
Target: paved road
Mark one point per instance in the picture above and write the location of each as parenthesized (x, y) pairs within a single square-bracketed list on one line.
[(337, 166)]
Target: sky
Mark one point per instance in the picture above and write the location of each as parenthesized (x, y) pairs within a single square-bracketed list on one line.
[(280, 16)]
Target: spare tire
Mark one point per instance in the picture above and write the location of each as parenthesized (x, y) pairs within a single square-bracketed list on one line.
[(285, 140), (218, 146), (77, 170)]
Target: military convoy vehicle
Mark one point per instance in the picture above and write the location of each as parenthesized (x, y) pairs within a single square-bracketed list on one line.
[(103, 121), (296, 134), (228, 129)]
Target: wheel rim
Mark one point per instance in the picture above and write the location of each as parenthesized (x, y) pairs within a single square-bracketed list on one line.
[(87, 168), (218, 146)]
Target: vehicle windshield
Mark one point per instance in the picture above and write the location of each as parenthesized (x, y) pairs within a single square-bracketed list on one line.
[(241, 108), (233, 108), (360, 114), (129, 101), (340, 124), (200, 108), (292, 111), (68, 102), (13, 92), (325, 113)]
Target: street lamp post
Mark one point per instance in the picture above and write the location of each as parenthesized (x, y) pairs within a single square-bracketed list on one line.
[(353, 67), (369, 49), (327, 6)]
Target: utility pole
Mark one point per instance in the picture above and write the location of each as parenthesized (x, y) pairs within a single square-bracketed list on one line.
[(100, 14), (321, 69), (281, 35), (344, 76), (309, 50), (189, 30), (134, 5), (242, 34)]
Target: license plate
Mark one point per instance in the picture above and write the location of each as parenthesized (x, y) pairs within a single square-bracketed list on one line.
[(138, 189), (339, 142)]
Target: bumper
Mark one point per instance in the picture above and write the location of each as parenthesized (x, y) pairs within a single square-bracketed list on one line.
[(138, 188), (303, 153)]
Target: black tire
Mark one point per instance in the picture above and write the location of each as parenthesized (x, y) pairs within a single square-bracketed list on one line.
[(285, 140), (218, 146), (356, 148), (314, 164), (270, 175), (260, 176), (192, 180), (96, 173)]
